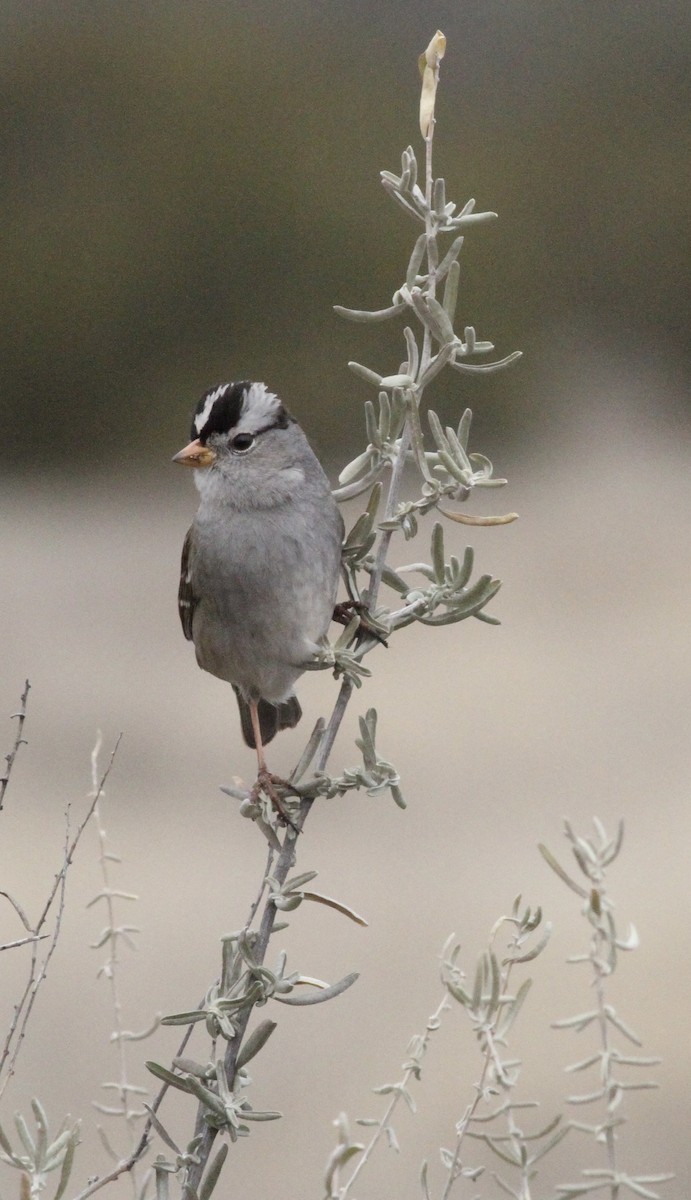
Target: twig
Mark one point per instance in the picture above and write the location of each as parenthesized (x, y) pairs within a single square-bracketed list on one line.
[(18, 741), (17, 1030), (411, 1072), (123, 1087)]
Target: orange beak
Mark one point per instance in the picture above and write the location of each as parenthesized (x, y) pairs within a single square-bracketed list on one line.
[(195, 455)]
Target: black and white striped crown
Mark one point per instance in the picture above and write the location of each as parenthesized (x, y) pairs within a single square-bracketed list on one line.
[(244, 407)]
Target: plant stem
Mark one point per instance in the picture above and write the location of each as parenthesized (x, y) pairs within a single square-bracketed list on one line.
[(432, 1024)]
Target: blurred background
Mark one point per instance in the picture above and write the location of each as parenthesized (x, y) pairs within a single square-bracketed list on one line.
[(187, 190)]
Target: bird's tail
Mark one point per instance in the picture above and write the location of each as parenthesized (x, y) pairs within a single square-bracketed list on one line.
[(285, 714)]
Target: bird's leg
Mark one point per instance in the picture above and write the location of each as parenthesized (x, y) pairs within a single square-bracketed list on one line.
[(256, 730), (265, 780)]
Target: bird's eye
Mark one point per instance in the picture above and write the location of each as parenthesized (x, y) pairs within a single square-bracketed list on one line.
[(242, 442)]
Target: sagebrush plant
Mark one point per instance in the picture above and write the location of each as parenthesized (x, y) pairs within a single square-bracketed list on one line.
[(448, 474), (610, 1064), (216, 1080)]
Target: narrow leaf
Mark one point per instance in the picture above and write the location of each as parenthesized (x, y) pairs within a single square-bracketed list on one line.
[(213, 1172), (254, 1043), (318, 997)]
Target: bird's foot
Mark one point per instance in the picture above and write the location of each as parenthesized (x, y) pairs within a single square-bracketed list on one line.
[(270, 784), (343, 614)]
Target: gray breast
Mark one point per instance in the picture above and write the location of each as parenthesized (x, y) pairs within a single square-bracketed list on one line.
[(266, 582)]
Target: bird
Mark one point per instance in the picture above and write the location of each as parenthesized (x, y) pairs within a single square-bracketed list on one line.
[(261, 561)]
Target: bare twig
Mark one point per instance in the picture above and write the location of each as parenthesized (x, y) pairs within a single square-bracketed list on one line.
[(37, 971), (19, 740)]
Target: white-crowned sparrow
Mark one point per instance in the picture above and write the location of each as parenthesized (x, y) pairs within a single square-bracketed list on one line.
[(260, 564)]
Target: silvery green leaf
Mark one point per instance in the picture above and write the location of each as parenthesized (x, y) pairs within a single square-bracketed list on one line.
[(494, 983), (437, 364), (529, 955), (615, 1020), (489, 620), (397, 795), (551, 1143), (318, 997), (631, 941), (420, 303), (25, 1136), (505, 1155), (212, 1174), (439, 197), (287, 903), (357, 314), (184, 1018), (470, 219), (41, 1119), (393, 580), (559, 870), (480, 461), (473, 601), (191, 1067), (441, 319), (67, 1164), (397, 381), (368, 730), (453, 468), (577, 1189), (513, 1008), (438, 561), (371, 427), (614, 847), (208, 1098), (478, 984), (403, 202), (450, 257), (458, 450), (167, 1076), (587, 1097), (451, 290), (464, 428), (479, 368), (365, 373), (637, 1060), (416, 260), (337, 905), (466, 568), (584, 1063), (413, 352), (4, 1143), (437, 431), (384, 424), (423, 1181), (579, 1022), (362, 463), (55, 1152), (299, 881)]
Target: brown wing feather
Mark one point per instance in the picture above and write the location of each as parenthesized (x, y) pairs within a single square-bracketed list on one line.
[(187, 601)]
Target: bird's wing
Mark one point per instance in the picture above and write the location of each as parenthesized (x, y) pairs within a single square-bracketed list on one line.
[(187, 601)]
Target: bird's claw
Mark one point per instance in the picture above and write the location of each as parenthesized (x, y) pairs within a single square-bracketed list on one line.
[(269, 784), (343, 614)]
